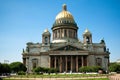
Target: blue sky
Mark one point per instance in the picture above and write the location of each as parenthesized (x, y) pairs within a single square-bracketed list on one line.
[(23, 21)]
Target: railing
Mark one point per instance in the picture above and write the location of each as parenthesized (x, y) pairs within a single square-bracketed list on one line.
[(114, 77)]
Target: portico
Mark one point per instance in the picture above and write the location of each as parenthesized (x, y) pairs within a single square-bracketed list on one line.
[(66, 63)]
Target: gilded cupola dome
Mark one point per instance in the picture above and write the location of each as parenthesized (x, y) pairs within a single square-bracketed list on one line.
[(87, 32), (64, 17), (64, 14), (46, 32)]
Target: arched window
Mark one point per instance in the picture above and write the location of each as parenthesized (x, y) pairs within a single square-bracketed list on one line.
[(46, 40), (58, 33), (87, 39), (65, 33), (70, 33), (55, 34), (61, 33), (74, 34)]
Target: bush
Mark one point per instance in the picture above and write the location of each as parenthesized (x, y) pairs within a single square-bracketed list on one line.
[(21, 73), (89, 68), (39, 70)]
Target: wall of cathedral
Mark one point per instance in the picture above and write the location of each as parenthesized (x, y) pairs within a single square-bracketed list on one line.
[(102, 61), (34, 50), (35, 61), (31, 62), (91, 60), (44, 60)]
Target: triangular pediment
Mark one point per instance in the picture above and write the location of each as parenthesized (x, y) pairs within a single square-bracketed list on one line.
[(67, 48)]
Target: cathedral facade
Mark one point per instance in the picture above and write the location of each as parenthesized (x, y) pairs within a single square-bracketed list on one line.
[(65, 51)]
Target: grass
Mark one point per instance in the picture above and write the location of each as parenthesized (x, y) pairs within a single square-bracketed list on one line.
[(60, 75), (63, 76)]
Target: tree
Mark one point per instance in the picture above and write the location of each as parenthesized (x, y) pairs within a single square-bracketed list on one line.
[(17, 66), (1, 68), (114, 67), (4, 68)]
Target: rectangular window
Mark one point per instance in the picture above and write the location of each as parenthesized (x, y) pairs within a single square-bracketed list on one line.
[(98, 61)]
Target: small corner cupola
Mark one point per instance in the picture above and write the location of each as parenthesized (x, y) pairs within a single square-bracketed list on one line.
[(46, 37), (87, 32), (87, 36), (46, 32)]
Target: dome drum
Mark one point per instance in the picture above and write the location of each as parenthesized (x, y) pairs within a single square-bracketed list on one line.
[(64, 26)]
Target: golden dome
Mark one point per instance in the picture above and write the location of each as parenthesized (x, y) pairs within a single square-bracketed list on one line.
[(46, 32), (64, 18), (65, 15)]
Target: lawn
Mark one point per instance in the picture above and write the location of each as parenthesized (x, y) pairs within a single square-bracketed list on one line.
[(62, 76)]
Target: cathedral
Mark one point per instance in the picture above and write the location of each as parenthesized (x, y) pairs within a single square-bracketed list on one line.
[(65, 51)]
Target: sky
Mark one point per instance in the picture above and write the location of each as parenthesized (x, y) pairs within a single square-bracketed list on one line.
[(23, 21)]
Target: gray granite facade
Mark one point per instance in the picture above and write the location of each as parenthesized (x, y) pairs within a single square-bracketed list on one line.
[(65, 51)]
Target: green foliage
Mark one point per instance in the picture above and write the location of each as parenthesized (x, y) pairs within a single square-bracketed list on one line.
[(114, 67), (89, 68), (38, 70), (4, 68), (1, 68), (51, 70), (17, 66), (45, 70), (21, 73)]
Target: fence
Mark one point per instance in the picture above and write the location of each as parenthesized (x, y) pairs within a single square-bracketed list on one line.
[(114, 77)]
